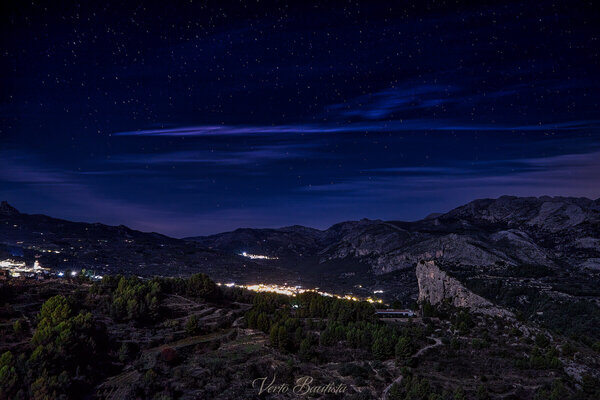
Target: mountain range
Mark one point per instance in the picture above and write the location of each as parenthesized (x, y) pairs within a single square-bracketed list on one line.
[(552, 231), (492, 236)]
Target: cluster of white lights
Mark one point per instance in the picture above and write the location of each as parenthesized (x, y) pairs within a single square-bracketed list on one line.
[(20, 268), (17, 268), (257, 256), (295, 290), (49, 251)]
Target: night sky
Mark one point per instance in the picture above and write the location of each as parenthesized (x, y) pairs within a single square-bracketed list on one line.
[(195, 118)]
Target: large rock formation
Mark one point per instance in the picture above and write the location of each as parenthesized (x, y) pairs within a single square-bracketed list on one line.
[(436, 286)]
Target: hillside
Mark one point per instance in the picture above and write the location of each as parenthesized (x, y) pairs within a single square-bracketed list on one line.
[(547, 231), (61, 244), (190, 339)]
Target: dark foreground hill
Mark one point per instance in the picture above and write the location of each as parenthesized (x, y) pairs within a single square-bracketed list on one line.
[(165, 338)]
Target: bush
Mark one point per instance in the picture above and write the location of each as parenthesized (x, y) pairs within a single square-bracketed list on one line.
[(191, 326), (18, 327), (542, 340)]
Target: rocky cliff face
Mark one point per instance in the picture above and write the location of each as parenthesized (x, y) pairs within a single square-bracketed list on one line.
[(436, 286)]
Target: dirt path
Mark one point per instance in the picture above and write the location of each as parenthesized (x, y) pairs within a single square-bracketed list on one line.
[(398, 380), (438, 342)]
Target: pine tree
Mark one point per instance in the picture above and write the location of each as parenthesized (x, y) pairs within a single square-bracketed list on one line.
[(191, 325), (262, 322), (403, 348), (306, 350), (282, 338), (273, 335)]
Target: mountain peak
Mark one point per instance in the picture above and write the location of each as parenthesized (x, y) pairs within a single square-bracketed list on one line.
[(7, 209)]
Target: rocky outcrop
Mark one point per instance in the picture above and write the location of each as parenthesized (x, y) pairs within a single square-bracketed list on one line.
[(436, 286)]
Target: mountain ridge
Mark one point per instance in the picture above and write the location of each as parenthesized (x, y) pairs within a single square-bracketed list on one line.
[(63, 244), (507, 229), (485, 236)]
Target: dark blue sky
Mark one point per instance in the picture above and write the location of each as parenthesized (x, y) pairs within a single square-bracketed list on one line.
[(199, 118)]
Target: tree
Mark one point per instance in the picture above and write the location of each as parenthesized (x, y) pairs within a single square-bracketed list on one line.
[(383, 343), (44, 387), (428, 309), (191, 326), (568, 350), (124, 352), (459, 394), (251, 318), (64, 345), (282, 338), (262, 322), (306, 350), (55, 310), (463, 321), (542, 340), (298, 336), (199, 285), (18, 327), (273, 335), (482, 393), (118, 308), (403, 348), (8, 374), (558, 391), (395, 392), (133, 309), (150, 379)]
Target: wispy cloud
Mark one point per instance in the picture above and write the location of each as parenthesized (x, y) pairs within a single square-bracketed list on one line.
[(18, 167), (234, 130), (257, 154), (375, 126), (384, 103)]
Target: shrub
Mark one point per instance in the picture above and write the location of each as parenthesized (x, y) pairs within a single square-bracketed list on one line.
[(191, 326)]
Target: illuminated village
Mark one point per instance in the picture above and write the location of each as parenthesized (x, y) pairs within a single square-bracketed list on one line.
[(16, 269), (295, 290)]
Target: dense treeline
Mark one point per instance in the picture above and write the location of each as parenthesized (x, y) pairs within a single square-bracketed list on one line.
[(301, 323), (135, 299)]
